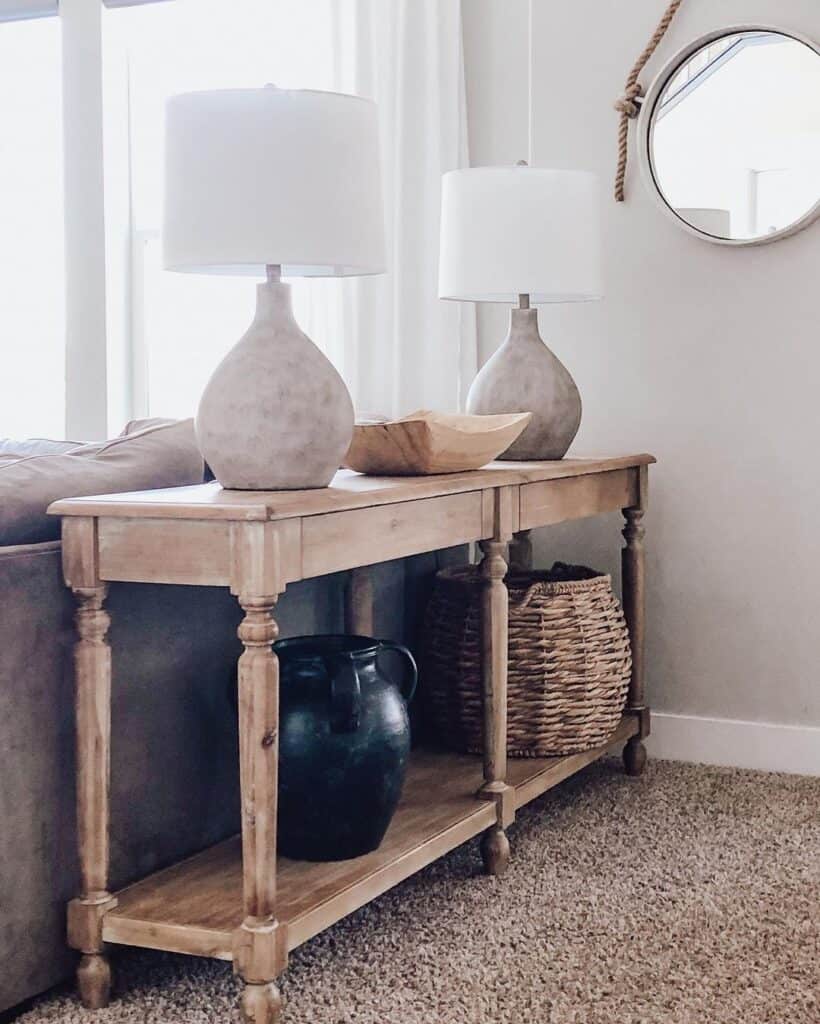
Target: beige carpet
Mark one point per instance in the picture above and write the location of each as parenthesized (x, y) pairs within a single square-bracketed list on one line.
[(690, 895)]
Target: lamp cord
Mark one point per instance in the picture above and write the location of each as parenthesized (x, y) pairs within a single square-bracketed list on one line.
[(629, 105), (529, 82)]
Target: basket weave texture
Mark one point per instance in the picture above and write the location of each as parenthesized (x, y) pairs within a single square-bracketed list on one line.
[(569, 660)]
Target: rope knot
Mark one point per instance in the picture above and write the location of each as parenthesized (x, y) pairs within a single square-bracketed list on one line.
[(629, 103), (628, 106)]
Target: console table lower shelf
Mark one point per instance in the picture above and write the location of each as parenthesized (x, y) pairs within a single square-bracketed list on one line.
[(195, 907)]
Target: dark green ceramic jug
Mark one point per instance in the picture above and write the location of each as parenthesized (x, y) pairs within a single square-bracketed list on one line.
[(344, 740)]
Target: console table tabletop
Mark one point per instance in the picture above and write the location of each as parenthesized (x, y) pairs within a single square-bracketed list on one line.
[(237, 901)]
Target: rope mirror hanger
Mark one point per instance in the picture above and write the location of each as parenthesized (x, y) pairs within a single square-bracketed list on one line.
[(629, 105)]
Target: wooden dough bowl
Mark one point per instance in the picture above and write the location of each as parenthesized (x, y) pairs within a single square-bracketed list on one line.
[(430, 442)]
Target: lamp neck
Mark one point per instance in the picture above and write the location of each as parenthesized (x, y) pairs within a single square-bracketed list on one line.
[(524, 324), (273, 302), (523, 300), (273, 271)]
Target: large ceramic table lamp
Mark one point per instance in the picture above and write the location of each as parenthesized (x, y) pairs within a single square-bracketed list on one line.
[(273, 182), (526, 235)]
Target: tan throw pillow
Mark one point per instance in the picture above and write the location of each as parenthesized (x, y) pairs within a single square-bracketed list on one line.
[(161, 455)]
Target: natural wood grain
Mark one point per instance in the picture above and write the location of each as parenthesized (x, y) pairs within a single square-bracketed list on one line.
[(549, 502), (196, 905), (495, 848), (494, 660), (348, 490), (92, 666), (359, 602), (264, 557), (344, 540), (634, 600), (165, 551), (494, 654), (79, 553), (84, 923), (571, 466), (258, 948), (259, 747), (633, 584), (261, 1004), (531, 778), (634, 755), (236, 901), (94, 981), (92, 669), (261, 556), (216, 943), (506, 512), (432, 442), (205, 892)]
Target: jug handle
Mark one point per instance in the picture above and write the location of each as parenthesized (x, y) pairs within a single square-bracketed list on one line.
[(406, 691), (345, 697)]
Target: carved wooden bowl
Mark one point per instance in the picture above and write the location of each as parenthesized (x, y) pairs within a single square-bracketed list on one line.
[(430, 442)]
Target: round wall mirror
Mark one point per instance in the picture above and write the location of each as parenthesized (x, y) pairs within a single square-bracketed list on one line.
[(730, 135)]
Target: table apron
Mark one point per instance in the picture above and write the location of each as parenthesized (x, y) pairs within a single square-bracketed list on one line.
[(555, 501), (344, 540), (207, 552), (193, 552)]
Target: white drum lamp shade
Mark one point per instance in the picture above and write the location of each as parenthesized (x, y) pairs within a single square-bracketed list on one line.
[(507, 231), (273, 176), (523, 235), (273, 182)]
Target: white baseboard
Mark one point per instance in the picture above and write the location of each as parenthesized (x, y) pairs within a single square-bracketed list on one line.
[(725, 741)]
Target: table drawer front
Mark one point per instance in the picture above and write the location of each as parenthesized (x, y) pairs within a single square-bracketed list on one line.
[(555, 501), (193, 552), (344, 540)]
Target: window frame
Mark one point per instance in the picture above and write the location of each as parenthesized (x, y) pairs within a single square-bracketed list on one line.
[(87, 362)]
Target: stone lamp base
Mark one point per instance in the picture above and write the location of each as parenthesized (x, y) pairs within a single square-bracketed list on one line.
[(275, 415), (524, 376)]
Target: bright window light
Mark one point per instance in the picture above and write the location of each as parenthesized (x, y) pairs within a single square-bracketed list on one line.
[(182, 325), (32, 361)]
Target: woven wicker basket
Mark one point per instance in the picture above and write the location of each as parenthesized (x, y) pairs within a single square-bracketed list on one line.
[(569, 661)]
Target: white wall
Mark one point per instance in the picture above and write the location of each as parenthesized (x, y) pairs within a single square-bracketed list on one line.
[(707, 357)]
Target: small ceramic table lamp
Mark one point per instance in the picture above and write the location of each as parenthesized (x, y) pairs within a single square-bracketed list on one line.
[(273, 182), (529, 235)]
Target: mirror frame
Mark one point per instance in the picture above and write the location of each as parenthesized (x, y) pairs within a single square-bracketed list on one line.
[(646, 130)]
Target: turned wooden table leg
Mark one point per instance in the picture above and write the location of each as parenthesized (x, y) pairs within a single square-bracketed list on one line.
[(495, 847), (92, 662), (634, 600), (260, 953), (359, 601)]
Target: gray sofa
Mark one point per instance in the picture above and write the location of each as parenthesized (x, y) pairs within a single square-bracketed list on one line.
[(174, 649), (173, 757), (174, 653)]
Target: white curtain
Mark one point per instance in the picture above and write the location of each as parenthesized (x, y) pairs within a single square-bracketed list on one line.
[(403, 347), (397, 345)]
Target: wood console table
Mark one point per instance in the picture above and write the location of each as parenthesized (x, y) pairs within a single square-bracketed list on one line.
[(235, 901)]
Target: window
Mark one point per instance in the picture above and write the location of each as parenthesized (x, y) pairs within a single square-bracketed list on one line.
[(94, 331), (181, 325), (32, 367), (163, 333)]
